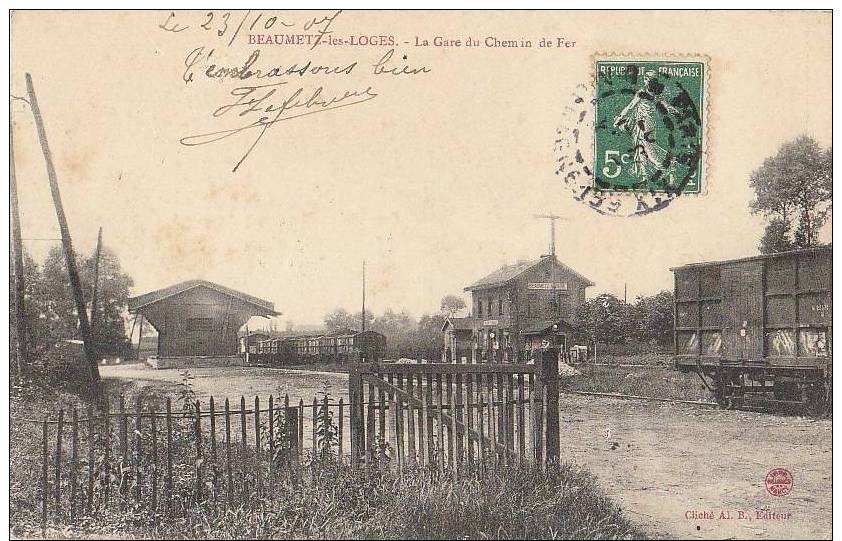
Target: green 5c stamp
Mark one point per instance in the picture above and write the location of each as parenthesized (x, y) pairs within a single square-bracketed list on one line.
[(649, 126)]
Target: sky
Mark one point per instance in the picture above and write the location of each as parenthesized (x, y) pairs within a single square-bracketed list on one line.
[(434, 182)]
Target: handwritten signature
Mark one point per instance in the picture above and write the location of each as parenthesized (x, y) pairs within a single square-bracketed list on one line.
[(263, 100)]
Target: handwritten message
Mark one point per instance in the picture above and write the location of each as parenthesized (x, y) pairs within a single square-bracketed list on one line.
[(261, 92)]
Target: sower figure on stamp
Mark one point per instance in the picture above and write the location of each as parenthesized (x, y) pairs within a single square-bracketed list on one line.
[(638, 119)]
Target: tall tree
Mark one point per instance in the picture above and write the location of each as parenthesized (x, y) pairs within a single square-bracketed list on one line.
[(776, 237), (110, 335), (653, 318), (339, 319), (605, 318), (58, 309), (452, 304), (793, 189)]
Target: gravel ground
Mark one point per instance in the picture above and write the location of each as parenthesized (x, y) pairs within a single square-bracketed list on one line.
[(664, 461)]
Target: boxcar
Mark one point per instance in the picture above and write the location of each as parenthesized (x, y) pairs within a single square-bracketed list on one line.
[(369, 346), (757, 330)]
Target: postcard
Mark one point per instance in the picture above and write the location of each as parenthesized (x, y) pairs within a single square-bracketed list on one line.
[(423, 274)]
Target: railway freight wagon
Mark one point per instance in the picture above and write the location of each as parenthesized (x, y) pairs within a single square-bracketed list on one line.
[(757, 330), (350, 346)]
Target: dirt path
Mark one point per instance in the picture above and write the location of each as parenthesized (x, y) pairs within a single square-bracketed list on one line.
[(233, 382), (661, 461)]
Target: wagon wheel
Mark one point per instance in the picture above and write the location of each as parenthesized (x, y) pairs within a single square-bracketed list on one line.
[(816, 403)]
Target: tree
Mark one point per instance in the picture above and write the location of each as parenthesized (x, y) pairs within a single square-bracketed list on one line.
[(653, 318), (109, 329), (339, 319), (793, 189), (429, 341), (55, 298), (36, 327), (399, 329), (605, 318), (452, 304), (776, 237)]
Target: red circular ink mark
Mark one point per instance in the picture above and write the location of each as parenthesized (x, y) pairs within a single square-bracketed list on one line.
[(779, 482)]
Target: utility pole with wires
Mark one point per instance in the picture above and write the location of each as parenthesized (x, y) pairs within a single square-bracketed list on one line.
[(362, 315), (95, 292), (69, 254), (552, 218), (17, 246)]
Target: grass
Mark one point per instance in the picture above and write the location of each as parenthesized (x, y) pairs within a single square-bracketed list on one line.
[(648, 359), (652, 381), (504, 503), (563, 501)]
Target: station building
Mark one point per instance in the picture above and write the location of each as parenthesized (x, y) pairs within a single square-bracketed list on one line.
[(517, 309)]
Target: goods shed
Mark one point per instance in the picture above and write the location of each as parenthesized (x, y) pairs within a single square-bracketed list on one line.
[(197, 318)]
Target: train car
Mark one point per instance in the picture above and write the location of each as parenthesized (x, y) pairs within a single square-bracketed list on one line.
[(341, 346), (758, 330), (369, 346)]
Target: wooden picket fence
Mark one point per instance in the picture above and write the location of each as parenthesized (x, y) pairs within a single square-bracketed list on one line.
[(442, 417), (453, 415)]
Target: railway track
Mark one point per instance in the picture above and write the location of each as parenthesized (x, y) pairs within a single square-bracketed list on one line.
[(644, 398)]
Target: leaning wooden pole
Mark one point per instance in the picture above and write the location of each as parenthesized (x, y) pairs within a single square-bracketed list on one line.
[(69, 255), (94, 293), (17, 246)]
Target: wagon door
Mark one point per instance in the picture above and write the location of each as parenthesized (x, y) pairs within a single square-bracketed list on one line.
[(743, 310)]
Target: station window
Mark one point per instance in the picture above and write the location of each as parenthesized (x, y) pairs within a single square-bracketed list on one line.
[(780, 343), (562, 305), (479, 308), (490, 309), (531, 305), (500, 307), (812, 342), (200, 324)]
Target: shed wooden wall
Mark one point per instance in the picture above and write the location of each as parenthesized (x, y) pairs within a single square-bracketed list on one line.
[(170, 317)]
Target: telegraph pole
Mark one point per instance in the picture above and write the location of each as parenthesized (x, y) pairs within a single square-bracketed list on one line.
[(363, 313), (69, 254), (17, 246), (552, 218), (95, 292)]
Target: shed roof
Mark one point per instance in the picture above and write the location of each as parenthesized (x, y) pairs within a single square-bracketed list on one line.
[(458, 324), (141, 301), (510, 272), (542, 326)]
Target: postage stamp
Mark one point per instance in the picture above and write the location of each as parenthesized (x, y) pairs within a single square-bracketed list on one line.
[(649, 126), (633, 138)]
